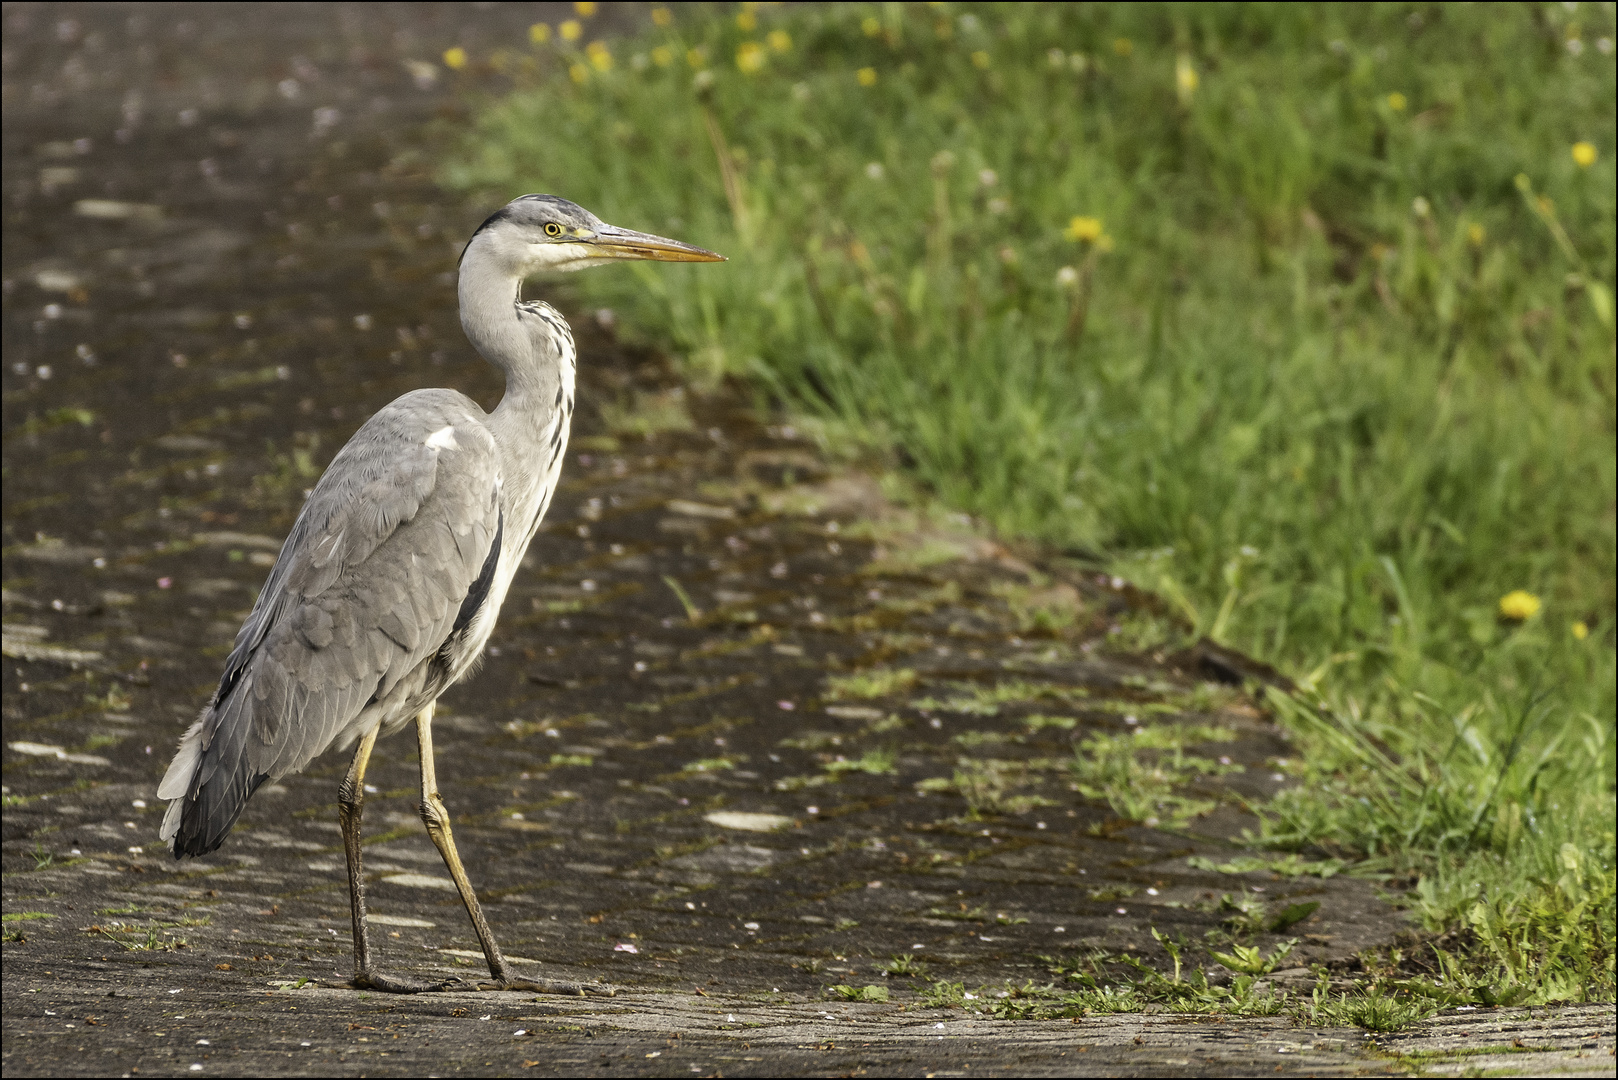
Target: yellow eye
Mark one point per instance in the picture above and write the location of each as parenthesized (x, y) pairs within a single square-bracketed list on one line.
[(552, 229)]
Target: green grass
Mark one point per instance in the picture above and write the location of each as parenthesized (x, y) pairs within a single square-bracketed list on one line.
[(1299, 316)]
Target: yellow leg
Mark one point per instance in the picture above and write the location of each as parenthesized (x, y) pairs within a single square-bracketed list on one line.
[(436, 817)]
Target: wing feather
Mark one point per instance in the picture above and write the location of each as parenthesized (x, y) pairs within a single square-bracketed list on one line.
[(366, 590)]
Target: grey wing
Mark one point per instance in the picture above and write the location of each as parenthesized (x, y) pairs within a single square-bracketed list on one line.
[(392, 544)]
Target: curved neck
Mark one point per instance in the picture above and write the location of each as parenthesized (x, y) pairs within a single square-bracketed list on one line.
[(488, 295), (536, 356)]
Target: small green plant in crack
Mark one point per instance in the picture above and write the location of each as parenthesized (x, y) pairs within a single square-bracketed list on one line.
[(1039, 608), (1250, 959), (846, 924), (905, 965), (875, 683), (1170, 736), (873, 762), (1103, 1000), (944, 995), (42, 859), (858, 993), (798, 783), (1377, 1009), (973, 699), (1173, 946), (1017, 1008), (132, 941), (971, 740), (1290, 865), (1246, 914), (962, 913), (989, 786), (1208, 697), (1106, 894), (1103, 986), (714, 764), (923, 602), (1141, 632), (1137, 773), (812, 740)]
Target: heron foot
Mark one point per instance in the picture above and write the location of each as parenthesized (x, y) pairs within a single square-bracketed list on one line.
[(388, 984), (546, 986)]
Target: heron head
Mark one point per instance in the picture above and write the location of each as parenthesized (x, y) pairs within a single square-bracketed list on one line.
[(542, 232)]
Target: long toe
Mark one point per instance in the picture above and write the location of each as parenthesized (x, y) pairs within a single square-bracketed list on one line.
[(547, 986), (389, 984)]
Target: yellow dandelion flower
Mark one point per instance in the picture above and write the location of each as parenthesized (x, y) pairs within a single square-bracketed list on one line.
[(571, 30), (1585, 154), (539, 33), (579, 74), (1397, 101), (662, 56), (455, 58), (1083, 229), (1475, 234), (866, 76), (1518, 605), (746, 21), (1123, 46), (1185, 79), (662, 16), (750, 57), (779, 40), (1580, 630), (600, 57), (871, 25), (980, 59), (696, 57), (585, 8)]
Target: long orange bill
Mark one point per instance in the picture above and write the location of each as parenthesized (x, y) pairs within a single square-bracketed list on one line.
[(616, 243)]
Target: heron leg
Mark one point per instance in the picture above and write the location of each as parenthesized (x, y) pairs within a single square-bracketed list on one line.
[(350, 807), (435, 815)]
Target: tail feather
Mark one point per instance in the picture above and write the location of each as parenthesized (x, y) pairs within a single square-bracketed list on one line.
[(207, 784)]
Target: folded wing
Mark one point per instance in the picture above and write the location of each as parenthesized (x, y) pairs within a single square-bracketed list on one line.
[(368, 587)]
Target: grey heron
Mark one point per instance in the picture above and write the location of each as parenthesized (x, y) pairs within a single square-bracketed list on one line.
[(391, 580)]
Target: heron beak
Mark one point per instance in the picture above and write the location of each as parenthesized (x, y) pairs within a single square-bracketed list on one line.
[(615, 243)]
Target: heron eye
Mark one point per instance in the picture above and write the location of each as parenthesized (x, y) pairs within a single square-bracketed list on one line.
[(552, 229)]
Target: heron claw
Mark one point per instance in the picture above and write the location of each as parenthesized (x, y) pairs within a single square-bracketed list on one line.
[(545, 986), (388, 984)]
